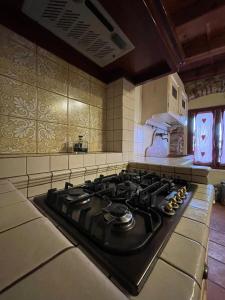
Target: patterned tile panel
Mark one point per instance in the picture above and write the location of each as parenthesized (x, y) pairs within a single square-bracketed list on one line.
[(96, 117), (7, 33), (42, 52), (79, 87), (36, 115), (51, 75), (96, 140), (52, 137), (78, 113), (16, 60), (17, 99), (51, 107), (17, 135), (98, 93)]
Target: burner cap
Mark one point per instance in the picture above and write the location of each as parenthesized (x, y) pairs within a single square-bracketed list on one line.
[(120, 216), (77, 196), (118, 210), (76, 192)]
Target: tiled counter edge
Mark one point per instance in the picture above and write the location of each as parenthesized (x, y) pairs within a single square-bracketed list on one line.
[(197, 174), (204, 194), (34, 175), (32, 250)]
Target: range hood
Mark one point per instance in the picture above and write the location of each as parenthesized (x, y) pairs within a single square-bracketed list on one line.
[(165, 121), (169, 119), (83, 24)]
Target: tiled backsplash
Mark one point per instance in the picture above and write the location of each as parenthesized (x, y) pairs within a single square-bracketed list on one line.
[(34, 175), (45, 103)]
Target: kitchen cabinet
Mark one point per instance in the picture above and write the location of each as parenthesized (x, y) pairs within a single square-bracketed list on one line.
[(164, 96)]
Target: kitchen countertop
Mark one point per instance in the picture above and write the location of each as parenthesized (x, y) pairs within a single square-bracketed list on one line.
[(35, 257), (166, 161)]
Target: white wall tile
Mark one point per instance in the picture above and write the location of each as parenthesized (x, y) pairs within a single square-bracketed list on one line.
[(59, 162), (14, 166), (76, 161), (100, 159), (89, 160), (38, 164)]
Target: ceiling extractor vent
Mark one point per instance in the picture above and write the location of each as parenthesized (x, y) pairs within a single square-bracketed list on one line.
[(83, 24)]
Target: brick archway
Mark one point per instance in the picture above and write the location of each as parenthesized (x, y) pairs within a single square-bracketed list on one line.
[(203, 87)]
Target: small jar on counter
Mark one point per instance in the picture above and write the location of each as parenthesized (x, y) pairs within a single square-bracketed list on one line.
[(80, 145)]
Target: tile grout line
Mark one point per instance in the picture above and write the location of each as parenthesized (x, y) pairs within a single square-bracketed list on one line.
[(216, 283), (172, 265), (217, 243), (217, 230), (38, 267), (223, 263)]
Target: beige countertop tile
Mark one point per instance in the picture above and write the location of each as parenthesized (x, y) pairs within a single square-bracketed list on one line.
[(193, 230), (197, 214), (166, 161), (199, 204), (186, 255), (6, 186), (70, 275), (204, 196), (11, 197), (17, 214), (25, 247), (183, 251), (166, 282)]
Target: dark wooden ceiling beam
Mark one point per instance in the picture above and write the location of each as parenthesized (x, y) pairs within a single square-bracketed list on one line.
[(203, 72), (163, 26), (193, 11), (205, 47)]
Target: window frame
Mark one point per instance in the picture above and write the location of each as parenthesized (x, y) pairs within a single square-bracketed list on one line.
[(216, 110)]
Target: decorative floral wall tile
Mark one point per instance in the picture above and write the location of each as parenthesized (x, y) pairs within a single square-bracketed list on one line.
[(39, 111), (17, 135), (96, 117), (51, 107), (79, 87), (74, 132), (52, 137), (51, 75), (7, 33), (17, 99), (96, 140), (16, 60), (98, 93), (43, 52), (78, 113)]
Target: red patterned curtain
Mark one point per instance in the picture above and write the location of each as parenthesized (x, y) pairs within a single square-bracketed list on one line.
[(203, 138), (206, 136), (222, 139)]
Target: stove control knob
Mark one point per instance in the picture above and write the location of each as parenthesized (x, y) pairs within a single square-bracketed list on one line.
[(184, 189), (181, 194), (168, 207), (178, 198), (174, 201)]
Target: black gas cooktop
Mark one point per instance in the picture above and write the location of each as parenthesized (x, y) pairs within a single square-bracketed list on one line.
[(122, 221)]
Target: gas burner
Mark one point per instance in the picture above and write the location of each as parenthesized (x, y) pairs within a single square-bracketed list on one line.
[(120, 216), (77, 196), (123, 221)]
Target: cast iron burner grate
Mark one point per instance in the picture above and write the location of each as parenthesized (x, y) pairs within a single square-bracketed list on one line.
[(119, 220)]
